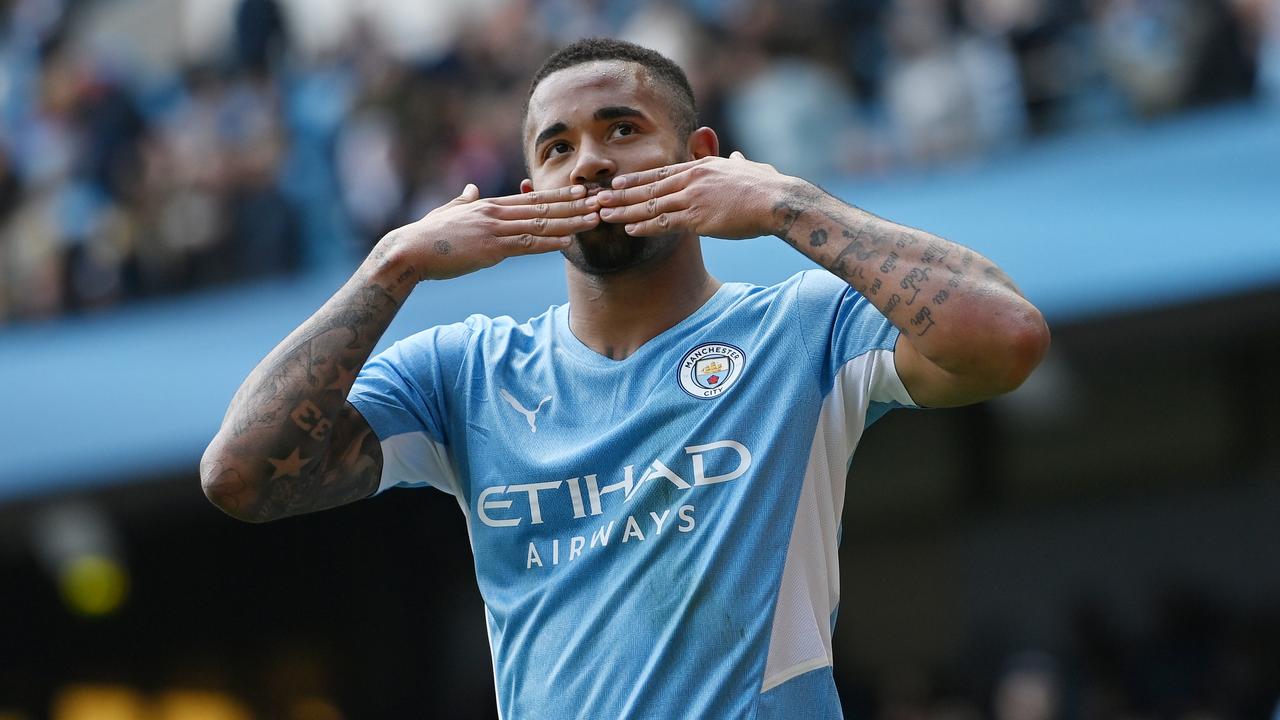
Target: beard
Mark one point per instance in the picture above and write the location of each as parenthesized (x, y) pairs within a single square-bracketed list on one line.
[(607, 249)]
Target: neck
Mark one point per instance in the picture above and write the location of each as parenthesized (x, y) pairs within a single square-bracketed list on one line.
[(615, 314)]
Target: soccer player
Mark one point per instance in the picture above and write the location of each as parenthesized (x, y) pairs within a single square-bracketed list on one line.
[(652, 475)]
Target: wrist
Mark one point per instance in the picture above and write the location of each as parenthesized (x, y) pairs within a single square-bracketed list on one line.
[(785, 199), (389, 266)]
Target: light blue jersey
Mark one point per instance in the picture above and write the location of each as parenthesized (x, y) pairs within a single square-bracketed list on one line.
[(654, 537)]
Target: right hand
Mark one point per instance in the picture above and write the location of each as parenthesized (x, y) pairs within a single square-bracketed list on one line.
[(468, 233)]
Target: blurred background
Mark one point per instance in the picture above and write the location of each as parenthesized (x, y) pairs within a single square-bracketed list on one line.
[(183, 181)]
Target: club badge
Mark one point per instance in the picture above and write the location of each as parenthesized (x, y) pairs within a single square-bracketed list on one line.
[(710, 369)]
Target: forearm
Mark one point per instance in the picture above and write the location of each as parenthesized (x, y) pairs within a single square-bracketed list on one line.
[(956, 307), (284, 446)]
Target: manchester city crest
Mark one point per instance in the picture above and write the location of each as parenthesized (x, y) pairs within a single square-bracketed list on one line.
[(710, 369)]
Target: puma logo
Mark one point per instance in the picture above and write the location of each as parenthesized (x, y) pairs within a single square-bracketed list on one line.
[(529, 415)]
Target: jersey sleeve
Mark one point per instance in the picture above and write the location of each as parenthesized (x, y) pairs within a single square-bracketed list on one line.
[(851, 343), (403, 394)]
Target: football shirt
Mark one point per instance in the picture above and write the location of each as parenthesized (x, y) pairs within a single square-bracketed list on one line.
[(654, 536)]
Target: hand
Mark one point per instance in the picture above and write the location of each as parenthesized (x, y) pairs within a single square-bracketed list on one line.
[(468, 233), (731, 198)]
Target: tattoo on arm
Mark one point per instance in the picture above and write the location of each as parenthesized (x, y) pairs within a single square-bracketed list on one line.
[(909, 282), (918, 280), (291, 442), (923, 320)]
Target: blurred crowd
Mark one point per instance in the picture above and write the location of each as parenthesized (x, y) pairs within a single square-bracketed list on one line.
[(1191, 658), (123, 176)]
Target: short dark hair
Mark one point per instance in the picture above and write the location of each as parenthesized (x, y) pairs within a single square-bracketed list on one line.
[(684, 111)]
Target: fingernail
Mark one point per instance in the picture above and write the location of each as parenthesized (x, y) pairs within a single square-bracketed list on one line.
[(619, 183), (593, 201), (578, 190), (606, 212), (629, 228), (590, 217), (604, 196)]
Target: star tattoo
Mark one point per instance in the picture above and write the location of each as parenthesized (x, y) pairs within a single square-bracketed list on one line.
[(290, 466)]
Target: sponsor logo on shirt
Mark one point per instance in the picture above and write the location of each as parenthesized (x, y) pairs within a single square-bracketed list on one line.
[(505, 506), (710, 369)]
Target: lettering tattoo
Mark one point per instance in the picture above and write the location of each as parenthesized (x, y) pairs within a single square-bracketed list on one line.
[(308, 417), (933, 252), (941, 297), (917, 275), (923, 320), (894, 299), (875, 286), (889, 262)]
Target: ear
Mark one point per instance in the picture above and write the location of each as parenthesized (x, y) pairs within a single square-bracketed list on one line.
[(526, 185), (703, 143)]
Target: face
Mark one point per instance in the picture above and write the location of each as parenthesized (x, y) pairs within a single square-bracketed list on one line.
[(587, 124)]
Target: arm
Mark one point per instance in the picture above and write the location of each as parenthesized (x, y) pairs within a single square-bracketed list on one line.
[(967, 332), (291, 443)]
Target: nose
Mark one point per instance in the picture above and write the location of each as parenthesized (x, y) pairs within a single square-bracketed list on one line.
[(593, 166)]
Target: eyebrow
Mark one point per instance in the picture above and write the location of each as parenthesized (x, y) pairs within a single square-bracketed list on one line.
[(611, 112), (552, 131)]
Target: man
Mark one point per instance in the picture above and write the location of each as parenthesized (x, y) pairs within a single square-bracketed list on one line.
[(652, 475)]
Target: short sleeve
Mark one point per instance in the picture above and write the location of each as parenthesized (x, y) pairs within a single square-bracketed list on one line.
[(852, 344), (403, 394)]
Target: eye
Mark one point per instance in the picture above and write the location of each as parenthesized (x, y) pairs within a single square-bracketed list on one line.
[(558, 147), (623, 129)]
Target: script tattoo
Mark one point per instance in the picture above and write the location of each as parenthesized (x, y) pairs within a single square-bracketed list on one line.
[(933, 253), (923, 319), (917, 275)]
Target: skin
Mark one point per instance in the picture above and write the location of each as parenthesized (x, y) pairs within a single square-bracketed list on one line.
[(625, 199)]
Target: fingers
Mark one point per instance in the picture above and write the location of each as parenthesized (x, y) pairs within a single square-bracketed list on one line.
[(645, 209), (648, 176), (661, 224), (548, 227), (532, 244), (470, 193), (571, 208), (639, 194), (555, 195)]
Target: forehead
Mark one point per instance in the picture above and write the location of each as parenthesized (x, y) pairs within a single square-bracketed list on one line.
[(576, 92)]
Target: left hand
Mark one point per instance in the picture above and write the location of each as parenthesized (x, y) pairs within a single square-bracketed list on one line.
[(731, 198)]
